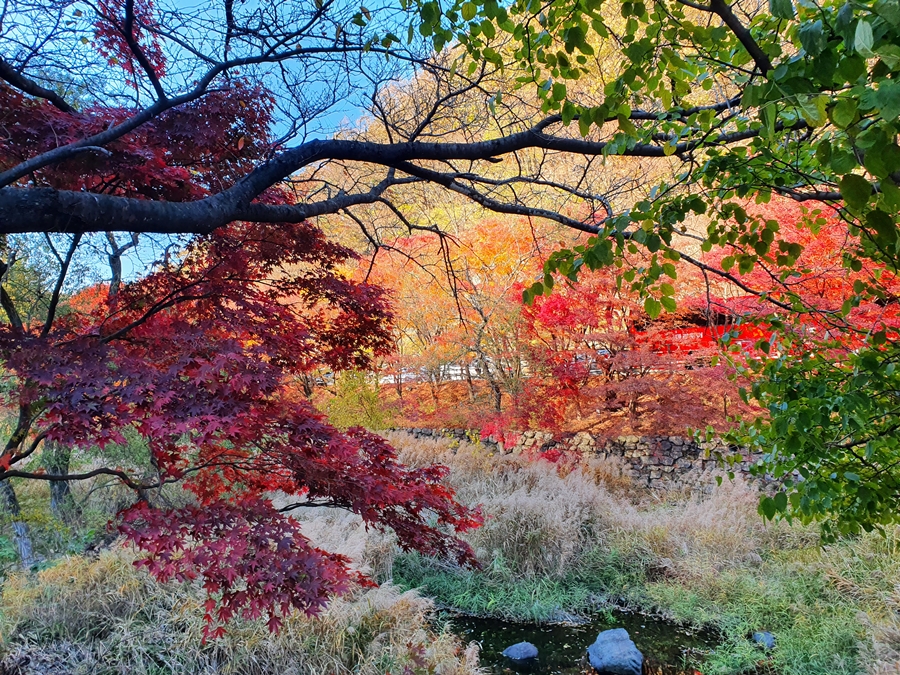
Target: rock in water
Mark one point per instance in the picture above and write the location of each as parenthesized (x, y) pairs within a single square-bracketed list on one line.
[(613, 653), (764, 639), (521, 651)]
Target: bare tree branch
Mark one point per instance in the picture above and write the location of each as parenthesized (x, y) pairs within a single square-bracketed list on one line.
[(19, 81)]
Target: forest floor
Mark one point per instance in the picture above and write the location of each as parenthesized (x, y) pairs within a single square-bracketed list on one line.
[(558, 541)]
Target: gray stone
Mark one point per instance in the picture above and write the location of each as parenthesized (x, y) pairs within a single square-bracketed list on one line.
[(521, 651), (613, 653), (764, 639)]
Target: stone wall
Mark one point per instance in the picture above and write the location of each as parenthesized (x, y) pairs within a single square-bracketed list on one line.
[(661, 462)]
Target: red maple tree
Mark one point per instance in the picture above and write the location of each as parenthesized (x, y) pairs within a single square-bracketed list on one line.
[(195, 356)]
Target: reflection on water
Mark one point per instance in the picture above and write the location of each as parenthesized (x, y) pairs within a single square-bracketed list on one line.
[(667, 648)]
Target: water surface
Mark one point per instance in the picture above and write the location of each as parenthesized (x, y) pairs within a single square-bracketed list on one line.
[(668, 649)]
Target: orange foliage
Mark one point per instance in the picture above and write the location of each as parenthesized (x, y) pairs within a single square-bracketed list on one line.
[(470, 354)]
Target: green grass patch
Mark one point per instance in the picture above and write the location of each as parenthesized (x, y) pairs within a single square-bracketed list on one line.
[(816, 625), (496, 591)]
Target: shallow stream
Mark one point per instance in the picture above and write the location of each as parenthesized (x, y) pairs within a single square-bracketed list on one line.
[(667, 648)]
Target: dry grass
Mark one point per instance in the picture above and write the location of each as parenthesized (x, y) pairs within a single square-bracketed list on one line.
[(541, 517), (103, 616), (882, 656), (868, 570)]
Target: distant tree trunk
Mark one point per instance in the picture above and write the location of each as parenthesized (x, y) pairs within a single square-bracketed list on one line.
[(432, 384), (470, 383), (114, 256), (484, 362), (398, 383), (492, 383), (498, 396), (56, 460), (308, 384), (21, 535)]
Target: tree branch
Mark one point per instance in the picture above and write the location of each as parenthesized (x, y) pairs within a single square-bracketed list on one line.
[(49, 210), (121, 475), (723, 11), (19, 81), (128, 34), (60, 280)]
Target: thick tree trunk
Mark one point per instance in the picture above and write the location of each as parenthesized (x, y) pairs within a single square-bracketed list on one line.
[(21, 535), (56, 460)]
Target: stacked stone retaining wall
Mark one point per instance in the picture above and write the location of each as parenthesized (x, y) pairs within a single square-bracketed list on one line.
[(661, 462)]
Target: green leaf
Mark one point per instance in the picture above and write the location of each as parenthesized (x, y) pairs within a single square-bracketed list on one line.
[(883, 160), (856, 190), (823, 153), (890, 195), (890, 54), (782, 9), (851, 68), (812, 38), (883, 224), (863, 38), (768, 114), (781, 501), (558, 92), (844, 112), (888, 100), (814, 109), (842, 161), (652, 307), (584, 124), (767, 507), (469, 10), (626, 126), (889, 10)]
